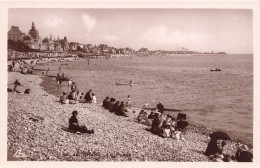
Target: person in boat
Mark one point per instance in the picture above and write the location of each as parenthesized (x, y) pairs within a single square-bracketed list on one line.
[(105, 101), (16, 84), (115, 107), (146, 105), (88, 97), (160, 107), (58, 75), (74, 124)]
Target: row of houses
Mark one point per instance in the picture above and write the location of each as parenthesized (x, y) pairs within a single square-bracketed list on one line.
[(34, 41)]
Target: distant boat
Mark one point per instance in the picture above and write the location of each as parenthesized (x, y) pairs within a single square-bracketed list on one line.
[(217, 70)]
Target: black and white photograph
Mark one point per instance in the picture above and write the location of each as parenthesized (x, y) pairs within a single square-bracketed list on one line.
[(138, 84)]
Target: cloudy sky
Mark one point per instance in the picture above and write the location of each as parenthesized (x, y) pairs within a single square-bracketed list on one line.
[(169, 29)]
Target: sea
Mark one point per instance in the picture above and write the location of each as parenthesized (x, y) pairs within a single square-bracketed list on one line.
[(218, 100)]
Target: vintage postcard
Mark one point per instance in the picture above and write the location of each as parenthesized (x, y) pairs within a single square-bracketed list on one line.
[(130, 83)]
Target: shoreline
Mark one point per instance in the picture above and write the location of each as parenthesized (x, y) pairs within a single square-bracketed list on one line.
[(116, 138)]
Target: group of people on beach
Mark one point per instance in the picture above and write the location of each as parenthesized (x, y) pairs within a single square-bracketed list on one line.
[(76, 96), (215, 150), (116, 107), (22, 66), (164, 126)]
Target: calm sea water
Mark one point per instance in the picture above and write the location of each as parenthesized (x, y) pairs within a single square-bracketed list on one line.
[(220, 100)]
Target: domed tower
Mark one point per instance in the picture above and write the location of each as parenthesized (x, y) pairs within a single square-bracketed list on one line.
[(34, 33)]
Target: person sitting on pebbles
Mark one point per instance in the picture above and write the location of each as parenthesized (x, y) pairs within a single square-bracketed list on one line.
[(16, 84), (142, 117), (168, 126), (110, 104), (88, 97), (157, 124), (215, 146), (243, 154), (122, 109), (74, 124), (105, 102), (64, 98), (115, 107), (151, 115)]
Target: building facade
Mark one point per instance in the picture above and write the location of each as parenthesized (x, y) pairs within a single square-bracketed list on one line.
[(15, 34)]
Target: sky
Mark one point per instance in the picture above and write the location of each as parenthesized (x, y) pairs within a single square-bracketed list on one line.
[(204, 30)]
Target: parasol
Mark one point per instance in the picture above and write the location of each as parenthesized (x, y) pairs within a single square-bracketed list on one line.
[(220, 135)]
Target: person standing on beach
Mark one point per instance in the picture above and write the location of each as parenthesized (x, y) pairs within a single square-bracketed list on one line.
[(47, 71), (69, 82), (128, 104), (74, 91), (131, 82), (94, 98), (160, 107)]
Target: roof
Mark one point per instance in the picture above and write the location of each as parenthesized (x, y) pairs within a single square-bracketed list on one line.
[(15, 30), (27, 37), (46, 40)]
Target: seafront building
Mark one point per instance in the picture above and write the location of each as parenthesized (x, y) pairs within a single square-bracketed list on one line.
[(49, 45)]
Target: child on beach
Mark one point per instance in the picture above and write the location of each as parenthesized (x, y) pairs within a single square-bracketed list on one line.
[(128, 104), (69, 82), (94, 98), (146, 105), (64, 98)]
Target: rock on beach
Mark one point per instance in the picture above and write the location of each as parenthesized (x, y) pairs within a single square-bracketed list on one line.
[(34, 132)]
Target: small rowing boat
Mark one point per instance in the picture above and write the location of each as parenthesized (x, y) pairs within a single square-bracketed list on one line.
[(217, 70), (118, 83)]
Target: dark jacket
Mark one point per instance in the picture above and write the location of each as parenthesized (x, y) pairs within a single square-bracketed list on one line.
[(88, 97), (105, 102), (213, 148), (73, 120)]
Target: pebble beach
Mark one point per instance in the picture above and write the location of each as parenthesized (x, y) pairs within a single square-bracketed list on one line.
[(35, 133)]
